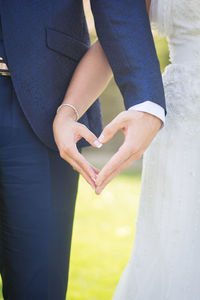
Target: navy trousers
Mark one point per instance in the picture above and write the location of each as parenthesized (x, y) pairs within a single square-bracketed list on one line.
[(37, 199)]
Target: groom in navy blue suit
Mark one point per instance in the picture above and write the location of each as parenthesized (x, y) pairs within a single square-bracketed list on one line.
[(41, 43)]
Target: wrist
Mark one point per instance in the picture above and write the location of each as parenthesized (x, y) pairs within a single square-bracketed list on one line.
[(156, 121), (151, 108), (72, 107), (66, 112), (152, 120), (63, 116)]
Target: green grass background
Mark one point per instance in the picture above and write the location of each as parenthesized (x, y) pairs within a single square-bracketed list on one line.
[(103, 237)]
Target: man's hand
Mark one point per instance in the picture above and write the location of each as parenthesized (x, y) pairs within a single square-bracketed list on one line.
[(139, 129), (67, 132)]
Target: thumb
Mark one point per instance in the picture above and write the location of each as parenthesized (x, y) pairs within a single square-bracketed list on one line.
[(110, 130), (89, 136)]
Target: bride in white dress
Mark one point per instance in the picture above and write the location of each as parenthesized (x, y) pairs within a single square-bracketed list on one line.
[(165, 263)]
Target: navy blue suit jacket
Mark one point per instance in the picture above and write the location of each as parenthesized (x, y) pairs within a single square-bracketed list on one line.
[(44, 41)]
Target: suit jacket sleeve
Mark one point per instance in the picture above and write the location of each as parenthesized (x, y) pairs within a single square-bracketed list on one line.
[(123, 29)]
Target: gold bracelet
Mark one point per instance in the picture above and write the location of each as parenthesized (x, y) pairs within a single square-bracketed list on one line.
[(70, 105)]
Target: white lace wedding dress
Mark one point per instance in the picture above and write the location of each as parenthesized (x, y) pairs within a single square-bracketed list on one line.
[(165, 263)]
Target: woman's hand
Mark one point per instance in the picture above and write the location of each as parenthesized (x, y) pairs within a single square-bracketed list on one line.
[(67, 132)]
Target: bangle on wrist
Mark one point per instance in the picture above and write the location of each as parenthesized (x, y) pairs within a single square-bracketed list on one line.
[(72, 107)]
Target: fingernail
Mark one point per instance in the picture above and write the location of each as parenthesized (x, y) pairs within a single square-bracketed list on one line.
[(97, 144), (101, 138)]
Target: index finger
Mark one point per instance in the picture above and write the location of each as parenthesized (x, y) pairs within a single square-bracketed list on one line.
[(116, 160), (123, 166), (73, 153)]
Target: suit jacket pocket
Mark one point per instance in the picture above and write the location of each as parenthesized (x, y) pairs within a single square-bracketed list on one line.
[(65, 44)]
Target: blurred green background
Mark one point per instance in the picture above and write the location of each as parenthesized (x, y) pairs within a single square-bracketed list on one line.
[(104, 225), (103, 237)]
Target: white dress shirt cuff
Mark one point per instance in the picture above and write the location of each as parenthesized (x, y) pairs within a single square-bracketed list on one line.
[(151, 108)]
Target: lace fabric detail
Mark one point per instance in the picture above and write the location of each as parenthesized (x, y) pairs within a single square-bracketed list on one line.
[(182, 89), (160, 16), (179, 20), (165, 261)]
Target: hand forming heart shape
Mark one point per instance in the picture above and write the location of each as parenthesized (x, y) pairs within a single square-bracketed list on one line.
[(139, 129)]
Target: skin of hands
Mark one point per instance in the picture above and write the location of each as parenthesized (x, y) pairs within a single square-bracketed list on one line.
[(139, 129), (67, 132)]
